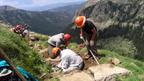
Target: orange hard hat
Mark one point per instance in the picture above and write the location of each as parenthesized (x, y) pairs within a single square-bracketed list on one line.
[(55, 50), (80, 21)]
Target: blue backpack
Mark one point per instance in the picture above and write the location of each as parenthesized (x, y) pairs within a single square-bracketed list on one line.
[(4, 65)]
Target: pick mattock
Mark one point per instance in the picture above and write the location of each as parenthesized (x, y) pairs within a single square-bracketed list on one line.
[(90, 51), (3, 55)]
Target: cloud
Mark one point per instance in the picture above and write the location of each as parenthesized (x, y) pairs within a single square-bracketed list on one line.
[(16, 3), (45, 2), (42, 2), (32, 3)]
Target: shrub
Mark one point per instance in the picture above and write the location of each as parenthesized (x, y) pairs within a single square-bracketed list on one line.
[(120, 45)]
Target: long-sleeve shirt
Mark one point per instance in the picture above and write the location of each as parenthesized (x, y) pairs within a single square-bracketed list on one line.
[(56, 40), (69, 60)]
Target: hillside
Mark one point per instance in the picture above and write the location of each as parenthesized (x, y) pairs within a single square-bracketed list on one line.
[(135, 66), (18, 50), (45, 22), (120, 36), (70, 9), (120, 32), (119, 24)]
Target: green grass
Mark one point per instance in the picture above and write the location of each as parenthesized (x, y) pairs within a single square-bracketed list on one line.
[(41, 36), (42, 40), (135, 66), (119, 44), (19, 52)]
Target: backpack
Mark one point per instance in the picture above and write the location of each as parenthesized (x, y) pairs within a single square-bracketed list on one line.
[(7, 74)]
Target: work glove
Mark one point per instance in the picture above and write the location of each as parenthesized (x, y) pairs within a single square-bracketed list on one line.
[(81, 37), (91, 43), (87, 43)]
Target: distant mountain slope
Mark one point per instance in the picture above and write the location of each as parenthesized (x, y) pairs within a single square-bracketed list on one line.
[(53, 6), (7, 8), (71, 9), (45, 22)]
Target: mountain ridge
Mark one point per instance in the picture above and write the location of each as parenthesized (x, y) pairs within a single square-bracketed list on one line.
[(53, 6), (41, 22)]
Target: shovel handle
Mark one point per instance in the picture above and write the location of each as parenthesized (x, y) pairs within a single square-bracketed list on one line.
[(91, 52)]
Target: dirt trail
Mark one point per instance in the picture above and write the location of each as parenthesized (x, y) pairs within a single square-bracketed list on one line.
[(92, 72), (44, 53), (101, 72)]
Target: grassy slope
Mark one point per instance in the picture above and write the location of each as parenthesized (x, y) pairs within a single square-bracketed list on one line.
[(42, 40), (13, 44), (135, 66), (19, 52)]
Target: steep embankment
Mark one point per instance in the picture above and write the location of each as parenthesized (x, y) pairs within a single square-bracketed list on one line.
[(120, 33), (119, 23), (135, 66), (18, 50)]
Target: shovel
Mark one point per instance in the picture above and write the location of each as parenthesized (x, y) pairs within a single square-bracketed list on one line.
[(91, 52)]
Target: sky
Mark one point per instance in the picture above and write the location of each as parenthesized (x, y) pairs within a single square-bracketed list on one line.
[(31, 3)]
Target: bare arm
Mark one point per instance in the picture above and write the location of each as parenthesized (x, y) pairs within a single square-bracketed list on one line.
[(94, 34), (54, 60), (81, 32)]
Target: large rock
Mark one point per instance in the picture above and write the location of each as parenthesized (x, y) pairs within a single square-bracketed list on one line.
[(115, 61), (79, 76), (107, 72), (102, 72)]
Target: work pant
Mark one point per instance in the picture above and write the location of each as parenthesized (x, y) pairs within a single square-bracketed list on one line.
[(72, 68), (50, 47), (91, 47)]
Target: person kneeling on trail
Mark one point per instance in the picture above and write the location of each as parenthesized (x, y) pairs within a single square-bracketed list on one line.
[(69, 60), (57, 41)]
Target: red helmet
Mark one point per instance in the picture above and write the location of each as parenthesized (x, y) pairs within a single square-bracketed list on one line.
[(67, 37)]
